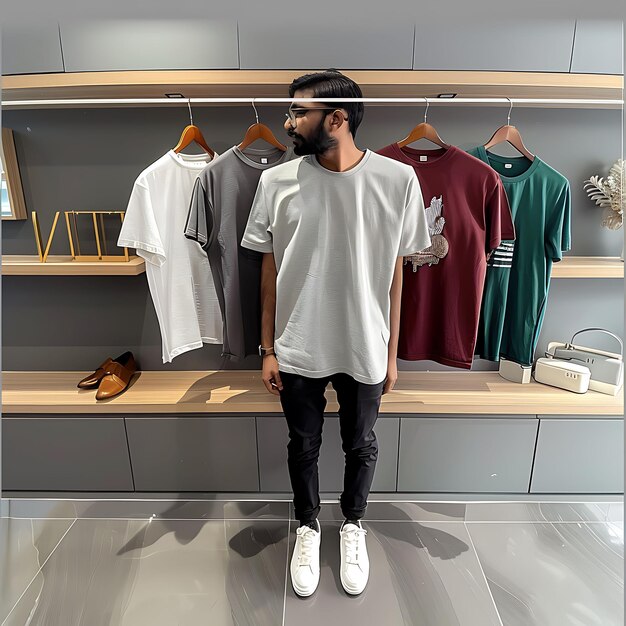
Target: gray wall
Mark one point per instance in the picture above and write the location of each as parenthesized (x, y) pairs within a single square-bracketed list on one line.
[(89, 159)]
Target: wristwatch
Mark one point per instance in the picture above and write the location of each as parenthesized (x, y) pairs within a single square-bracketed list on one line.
[(265, 351)]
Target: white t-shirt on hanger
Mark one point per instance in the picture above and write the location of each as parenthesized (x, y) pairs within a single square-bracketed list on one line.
[(178, 270)]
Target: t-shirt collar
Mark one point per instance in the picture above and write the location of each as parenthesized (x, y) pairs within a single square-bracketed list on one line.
[(312, 159), (192, 161), (487, 157), (411, 155), (262, 152)]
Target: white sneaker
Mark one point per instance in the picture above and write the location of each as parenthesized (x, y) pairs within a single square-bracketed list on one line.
[(305, 562), (355, 564)]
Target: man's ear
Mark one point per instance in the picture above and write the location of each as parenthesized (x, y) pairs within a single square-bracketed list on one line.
[(338, 118)]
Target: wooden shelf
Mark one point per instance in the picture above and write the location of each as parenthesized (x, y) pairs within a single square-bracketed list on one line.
[(272, 83), (242, 391), (29, 265), (588, 267)]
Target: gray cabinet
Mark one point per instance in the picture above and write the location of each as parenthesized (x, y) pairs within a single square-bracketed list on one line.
[(579, 456), (299, 46), (598, 47), (522, 45), (273, 437), (65, 454), (31, 48), (193, 453), (466, 454), (101, 45), (230, 453)]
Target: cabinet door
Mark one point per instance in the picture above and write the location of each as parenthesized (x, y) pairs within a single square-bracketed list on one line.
[(31, 48), (108, 45), (291, 47), (65, 454), (273, 437), (521, 45), (598, 47), (579, 456), (466, 454), (193, 453)]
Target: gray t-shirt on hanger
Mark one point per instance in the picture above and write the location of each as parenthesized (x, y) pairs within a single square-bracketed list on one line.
[(336, 237), (220, 205)]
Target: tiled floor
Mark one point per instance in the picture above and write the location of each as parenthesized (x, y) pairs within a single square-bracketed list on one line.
[(188, 563)]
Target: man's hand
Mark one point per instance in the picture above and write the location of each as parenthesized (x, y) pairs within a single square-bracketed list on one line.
[(271, 376), (392, 375)]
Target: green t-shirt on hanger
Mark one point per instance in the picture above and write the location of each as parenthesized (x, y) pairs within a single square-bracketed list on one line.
[(518, 272)]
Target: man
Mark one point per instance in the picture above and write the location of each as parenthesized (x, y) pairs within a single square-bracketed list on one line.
[(333, 226)]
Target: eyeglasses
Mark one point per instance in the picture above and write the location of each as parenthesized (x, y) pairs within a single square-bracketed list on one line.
[(297, 112)]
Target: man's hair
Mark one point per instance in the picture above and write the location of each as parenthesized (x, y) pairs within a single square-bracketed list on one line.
[(333, 84)]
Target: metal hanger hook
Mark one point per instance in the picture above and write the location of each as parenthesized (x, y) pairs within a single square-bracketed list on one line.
[(190, 113), (508, 117), (255, 111), (426, 109)]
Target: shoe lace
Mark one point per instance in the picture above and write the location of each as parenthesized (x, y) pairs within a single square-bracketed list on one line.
[(305, 554), (351, 541)]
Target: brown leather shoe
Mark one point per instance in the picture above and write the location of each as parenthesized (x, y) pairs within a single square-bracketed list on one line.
[(95, 377), (117, 376)]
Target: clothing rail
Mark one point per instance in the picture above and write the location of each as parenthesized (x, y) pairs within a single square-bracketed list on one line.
[(565, 102)]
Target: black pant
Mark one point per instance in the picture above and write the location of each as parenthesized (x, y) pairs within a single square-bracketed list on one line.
[(303, 403)]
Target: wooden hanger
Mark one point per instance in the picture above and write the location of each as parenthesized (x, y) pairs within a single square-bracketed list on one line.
[(260, 131), (423, 131), (192, 133), (512, 135)]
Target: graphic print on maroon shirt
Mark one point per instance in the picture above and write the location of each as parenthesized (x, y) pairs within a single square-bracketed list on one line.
[(468, 216)]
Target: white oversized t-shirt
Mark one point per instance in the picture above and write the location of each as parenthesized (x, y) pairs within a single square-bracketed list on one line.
[(178, 270), (336, 237)]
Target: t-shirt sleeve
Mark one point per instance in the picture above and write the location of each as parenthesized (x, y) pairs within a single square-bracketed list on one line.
[(199, 224), (257, 235), (498, 221), (139, 228), (415, 236), (558, 231)]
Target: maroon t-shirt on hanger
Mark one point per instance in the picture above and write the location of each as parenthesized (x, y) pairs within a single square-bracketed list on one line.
[(468, 215)]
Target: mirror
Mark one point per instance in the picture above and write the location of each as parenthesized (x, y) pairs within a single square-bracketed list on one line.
[(11, 192)]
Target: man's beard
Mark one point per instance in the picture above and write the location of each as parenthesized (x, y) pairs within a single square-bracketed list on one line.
[(319, 143)]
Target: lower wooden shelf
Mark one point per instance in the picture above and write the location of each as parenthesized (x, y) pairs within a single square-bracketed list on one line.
[(242, 391), (29, 265)]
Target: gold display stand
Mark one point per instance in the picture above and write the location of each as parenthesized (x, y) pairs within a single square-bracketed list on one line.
[(70, 219), (100, 244), (43, 253)]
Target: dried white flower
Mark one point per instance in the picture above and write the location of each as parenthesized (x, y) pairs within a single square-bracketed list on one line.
[(610, 194)]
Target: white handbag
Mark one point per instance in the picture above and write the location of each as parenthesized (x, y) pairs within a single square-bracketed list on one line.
[(606, 368)]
